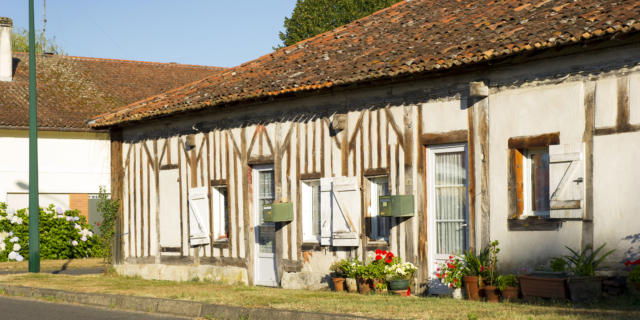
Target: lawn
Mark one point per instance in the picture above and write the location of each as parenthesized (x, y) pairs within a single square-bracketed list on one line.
[(379, 306)]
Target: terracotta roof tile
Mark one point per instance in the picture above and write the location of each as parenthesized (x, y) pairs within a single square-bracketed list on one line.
[(408, 37), (72, 90)]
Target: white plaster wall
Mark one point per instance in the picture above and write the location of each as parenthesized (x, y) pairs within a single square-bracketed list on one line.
[(443, 116), (526, 112), (69, 162), (634, 98), (616, 216), (606, 102)]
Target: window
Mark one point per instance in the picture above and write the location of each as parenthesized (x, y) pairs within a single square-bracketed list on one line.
[(220, 213), (532, 181), (379, 226), (311, 211)]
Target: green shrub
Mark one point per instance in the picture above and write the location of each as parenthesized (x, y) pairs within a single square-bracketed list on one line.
[(108, 208), (634, 275), (63, 235)]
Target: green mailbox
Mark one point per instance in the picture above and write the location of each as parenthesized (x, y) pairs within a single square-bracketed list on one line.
[(396, 206), (278, 212)]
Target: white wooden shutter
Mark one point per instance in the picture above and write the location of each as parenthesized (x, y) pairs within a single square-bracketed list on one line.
[(566, 181), (345, 222), (326, 189), (198, 217)]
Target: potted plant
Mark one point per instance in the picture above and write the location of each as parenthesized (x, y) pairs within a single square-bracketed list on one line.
[(377, 271), (509, 286), (399, 275), (351, 269), (634, 278), (491, 289), (450, 273), (338, 274), (474, 272), (583, 284), (363, 275)]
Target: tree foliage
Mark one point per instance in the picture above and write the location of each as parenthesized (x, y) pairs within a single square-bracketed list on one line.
[(20, 42), (108, 208), (312, 17)]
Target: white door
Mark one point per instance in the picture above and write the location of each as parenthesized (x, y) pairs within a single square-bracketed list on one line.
[(265, 257), (170, 211), (447, 204)]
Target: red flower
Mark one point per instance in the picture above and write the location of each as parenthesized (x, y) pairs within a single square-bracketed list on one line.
[(384, 252), (438, 269), (390, 255), (408, 292), (481, 268), (98, 223), (451, 257), (438, 275), (388, 260), (378, 257), (450, 285), (378, 251), (627, 263), (455, 280)]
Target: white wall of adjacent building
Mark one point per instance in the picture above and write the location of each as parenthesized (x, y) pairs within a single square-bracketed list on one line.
[(69, 163)]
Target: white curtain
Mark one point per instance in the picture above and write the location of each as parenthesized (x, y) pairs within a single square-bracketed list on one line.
[(450, 193)]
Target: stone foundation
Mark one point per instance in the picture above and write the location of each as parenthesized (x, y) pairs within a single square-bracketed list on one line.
[(227, 274)]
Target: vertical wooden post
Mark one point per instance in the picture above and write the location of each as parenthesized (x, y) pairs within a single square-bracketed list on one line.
[(117, 175)]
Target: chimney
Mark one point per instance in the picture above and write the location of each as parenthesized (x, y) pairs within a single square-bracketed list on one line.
[(6, 58)]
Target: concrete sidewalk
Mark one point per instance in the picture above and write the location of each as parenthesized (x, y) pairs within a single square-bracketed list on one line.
[(166, 306)]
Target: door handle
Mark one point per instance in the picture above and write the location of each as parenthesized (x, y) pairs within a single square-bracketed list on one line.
[(462, 226)]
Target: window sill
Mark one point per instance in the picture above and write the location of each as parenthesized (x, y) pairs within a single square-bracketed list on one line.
[(310, 246), (534, 223), (221, 243), (377, 244)]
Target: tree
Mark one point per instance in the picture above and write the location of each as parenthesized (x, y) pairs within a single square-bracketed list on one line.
[(312, 17), (20, 43)]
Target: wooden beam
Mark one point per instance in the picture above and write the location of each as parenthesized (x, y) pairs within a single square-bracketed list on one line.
[(117, 190), (542, 140), (394, 126), (455, 136), (471, 185)]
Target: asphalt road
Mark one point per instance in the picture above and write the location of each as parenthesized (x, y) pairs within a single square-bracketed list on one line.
[(25, 309)]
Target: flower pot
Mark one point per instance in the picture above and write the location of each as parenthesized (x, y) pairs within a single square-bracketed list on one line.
[(584, 289), (510, 293), (338, 284), (471, 287), (402, 284), (457, 293), (364, 286), (491, 293), (548, 285), (378, 286), (352, 284)]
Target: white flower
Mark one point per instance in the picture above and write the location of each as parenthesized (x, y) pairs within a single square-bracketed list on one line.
[(19, 221), (90, 234), (19, 258), (59, 210), (74, 243), (69, 218), (84, 238), (10, 233), (14, 220), (3, 246), (60, 216), (16, 247), (77, 226), (14, 239), (12, 255), (76, 218)]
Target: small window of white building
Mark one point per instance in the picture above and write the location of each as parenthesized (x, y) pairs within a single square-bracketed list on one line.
[(220, 213), (379, 226), (311, 211)]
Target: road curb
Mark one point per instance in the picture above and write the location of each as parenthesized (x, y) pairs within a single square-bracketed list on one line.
[(167, 306)]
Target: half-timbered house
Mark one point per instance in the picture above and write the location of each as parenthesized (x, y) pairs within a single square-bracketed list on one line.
[(516, 121)]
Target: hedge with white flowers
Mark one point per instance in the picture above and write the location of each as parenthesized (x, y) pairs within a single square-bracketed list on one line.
[(63, 235)]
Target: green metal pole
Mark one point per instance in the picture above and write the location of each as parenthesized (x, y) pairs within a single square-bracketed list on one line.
[(34, 207)]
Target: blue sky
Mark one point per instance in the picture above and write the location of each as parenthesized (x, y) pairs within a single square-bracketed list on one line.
[(214, 32)]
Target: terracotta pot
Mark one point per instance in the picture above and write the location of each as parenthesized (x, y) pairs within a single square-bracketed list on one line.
[(338, 284), (352, 284), (544, 285), (364, 286), (471, 287), (510, 293), (491, 292), (376, 286)]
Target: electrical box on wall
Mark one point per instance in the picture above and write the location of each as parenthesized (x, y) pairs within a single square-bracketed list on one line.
[(396, 206), (278, 212)]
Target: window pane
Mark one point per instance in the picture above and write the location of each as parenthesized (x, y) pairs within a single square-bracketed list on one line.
[(315, 209), (266, 235), (540, 181), (265, 194), (450, 202)]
